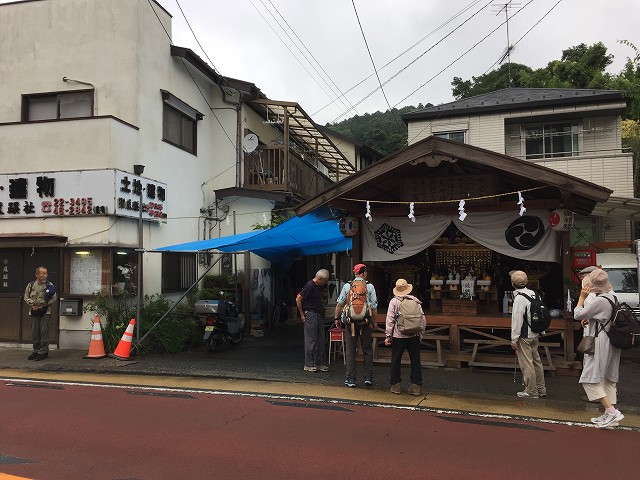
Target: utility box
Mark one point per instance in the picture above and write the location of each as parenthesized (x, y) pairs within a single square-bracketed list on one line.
[(71, 306)]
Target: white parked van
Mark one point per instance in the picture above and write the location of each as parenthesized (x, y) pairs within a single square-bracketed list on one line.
[(623, 275)]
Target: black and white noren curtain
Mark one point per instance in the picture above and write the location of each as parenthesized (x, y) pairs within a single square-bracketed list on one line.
[(528, 237)]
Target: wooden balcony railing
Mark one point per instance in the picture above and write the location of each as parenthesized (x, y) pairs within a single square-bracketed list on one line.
[(267, 169)]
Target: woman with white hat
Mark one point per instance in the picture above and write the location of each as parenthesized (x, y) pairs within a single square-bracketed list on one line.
[(400, 342)]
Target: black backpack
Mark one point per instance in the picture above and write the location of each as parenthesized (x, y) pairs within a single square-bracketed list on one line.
[(624, 332), (540, 316)]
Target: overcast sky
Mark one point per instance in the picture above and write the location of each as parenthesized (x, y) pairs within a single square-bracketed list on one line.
[(308, 51)]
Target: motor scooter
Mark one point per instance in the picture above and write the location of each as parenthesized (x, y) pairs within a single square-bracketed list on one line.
[(221, 322)]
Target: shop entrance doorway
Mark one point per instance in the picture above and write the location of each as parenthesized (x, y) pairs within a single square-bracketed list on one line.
[(18, 268)]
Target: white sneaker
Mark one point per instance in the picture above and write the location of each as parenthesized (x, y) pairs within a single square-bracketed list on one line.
[(599, 419), (610, 420), (525, 394), (310, 369)]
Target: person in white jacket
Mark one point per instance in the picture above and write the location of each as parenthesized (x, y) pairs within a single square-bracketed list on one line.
[(600, 370), (400, 342), (524, 341)]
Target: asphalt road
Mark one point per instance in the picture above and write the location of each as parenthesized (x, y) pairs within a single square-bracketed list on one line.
[(61, 430)]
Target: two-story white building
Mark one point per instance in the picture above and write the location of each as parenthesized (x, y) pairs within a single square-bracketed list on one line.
[(112, 138), (574, 131)]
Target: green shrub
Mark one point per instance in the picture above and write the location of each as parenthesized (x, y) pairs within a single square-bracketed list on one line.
[(217, 281), (171, 335)]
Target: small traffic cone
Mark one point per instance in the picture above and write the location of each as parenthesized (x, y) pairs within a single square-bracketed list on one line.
[(123, 349), (96, 345)]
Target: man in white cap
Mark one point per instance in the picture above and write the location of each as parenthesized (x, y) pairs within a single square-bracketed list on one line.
[(524, 341)]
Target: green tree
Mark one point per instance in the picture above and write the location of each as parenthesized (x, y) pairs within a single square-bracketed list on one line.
[(384, 132), (491, 81)]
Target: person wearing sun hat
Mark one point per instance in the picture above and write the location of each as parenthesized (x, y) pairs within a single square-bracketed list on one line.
[(524, 341), (400, 342), (363, 331), (584, 274), (600, 370)]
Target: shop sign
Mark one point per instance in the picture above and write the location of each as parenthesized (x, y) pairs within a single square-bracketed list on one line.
[(81, 193)]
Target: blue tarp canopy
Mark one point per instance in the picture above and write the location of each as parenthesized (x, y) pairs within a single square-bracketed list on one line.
[(315, 233)]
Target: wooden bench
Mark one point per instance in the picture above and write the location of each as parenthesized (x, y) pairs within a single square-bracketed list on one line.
[(487, 343), (438, 339)]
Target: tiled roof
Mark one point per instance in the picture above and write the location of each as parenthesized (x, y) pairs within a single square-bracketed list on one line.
[(514, 98)]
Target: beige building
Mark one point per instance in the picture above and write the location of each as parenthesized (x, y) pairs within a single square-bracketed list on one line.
[(574, 131)]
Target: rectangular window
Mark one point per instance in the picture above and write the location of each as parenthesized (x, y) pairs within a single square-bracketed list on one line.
[(179, 271), (454, 136), (179, 123), (551, 141), (56, 106)]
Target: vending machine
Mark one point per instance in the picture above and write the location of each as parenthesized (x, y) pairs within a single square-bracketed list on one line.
[(581, 257)]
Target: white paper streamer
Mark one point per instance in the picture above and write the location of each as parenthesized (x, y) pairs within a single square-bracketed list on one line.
[(462, 214), (411, 215), (368, 214), (521, 203)]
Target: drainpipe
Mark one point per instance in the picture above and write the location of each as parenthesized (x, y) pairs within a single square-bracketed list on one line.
[(237, 103)]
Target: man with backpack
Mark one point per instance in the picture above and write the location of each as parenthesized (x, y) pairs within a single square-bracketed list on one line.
[(40, 295), (355, 307), (600, 369), (524, 340), (404, 327)]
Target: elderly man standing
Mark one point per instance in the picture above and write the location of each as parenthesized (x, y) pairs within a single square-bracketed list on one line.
[(40, 295), (309, 303)]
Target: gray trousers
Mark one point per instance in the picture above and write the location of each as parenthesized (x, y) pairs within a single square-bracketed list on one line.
[(531, 366), (362, 332), (314, 341), (40, 333)]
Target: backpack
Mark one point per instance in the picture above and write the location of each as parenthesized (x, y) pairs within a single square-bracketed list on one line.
[(540, 316), (624, 332), (409, 317), (356, 307)]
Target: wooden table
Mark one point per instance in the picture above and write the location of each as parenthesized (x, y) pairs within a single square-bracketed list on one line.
[(484, 340)]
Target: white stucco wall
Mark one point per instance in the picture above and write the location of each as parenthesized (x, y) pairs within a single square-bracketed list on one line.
[(121, 48)]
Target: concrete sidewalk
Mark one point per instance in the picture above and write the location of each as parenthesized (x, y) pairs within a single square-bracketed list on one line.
[(273, 364)]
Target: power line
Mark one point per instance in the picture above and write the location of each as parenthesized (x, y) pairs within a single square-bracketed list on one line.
[(338, 97), (459, 57), (195, 37), (369, 51), (456, 15), (415, 60)]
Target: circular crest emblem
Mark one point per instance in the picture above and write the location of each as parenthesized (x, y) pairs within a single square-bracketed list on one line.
[(525, 232)]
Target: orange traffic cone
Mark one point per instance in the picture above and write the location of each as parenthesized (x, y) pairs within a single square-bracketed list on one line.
[(123, 349), (96, 345)]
